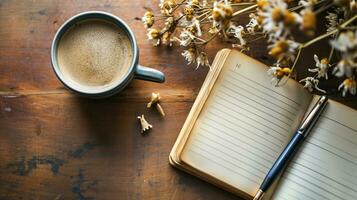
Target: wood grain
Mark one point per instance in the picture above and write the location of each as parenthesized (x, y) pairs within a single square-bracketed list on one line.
[(56, 145)]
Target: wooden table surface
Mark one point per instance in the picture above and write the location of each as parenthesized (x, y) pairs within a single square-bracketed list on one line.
[(56, 145)]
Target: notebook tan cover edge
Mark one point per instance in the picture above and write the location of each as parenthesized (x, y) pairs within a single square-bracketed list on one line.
[(207, 85)]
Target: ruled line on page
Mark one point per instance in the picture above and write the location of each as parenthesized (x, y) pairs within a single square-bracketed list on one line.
[(328, 132), (283, 134), (250, 123), (226, 163), (331, 152), (257, 157), (332, 187), (305, 188), (240, 161), (309, 147), (298, 192), (337, 122), (247, 137), (277, 141), (322, 175), (274, 110), (256, 110), (257, 114), (219, 164), (285, 198), (267, 88), (331, 146), (249, 151), (242, 132), (262, 95), (308, 188), (319, 164), (313, 184)]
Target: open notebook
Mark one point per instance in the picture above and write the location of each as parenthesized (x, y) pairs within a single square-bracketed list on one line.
[(240, 123)]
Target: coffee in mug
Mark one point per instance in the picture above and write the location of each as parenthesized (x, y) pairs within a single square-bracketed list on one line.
[(95, 54)]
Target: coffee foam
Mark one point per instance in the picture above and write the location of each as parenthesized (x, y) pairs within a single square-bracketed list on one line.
[(94, 54)]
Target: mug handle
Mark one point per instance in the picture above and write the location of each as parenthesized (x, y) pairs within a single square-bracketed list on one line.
[(149, 74)]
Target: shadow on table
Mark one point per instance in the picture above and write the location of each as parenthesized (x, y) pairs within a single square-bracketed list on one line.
[(108, 120)]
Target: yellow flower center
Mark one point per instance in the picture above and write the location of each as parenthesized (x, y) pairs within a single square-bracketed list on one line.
[(349, 82), (277, 14), (282, 72), (154, 33), (262, 3), (324, 61), (222, 12), (309, 22), (149, 14), (279, 48), (289, 18), (188, 10)]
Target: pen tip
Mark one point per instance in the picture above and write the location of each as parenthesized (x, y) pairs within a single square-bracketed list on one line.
[(259, 195)]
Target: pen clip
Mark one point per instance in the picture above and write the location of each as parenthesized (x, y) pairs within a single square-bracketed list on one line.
[(314, 114)]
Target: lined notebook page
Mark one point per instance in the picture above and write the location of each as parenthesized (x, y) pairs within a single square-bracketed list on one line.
[(244, 124), (326, 165)]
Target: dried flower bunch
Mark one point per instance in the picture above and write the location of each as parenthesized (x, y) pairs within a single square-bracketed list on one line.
[(192, 24)]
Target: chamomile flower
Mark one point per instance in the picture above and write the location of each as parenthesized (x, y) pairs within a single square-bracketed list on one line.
[(332, 21), (167, 6), (154, 36), (197, 27), (253, 24), (311, 83), (148, 19), (321, 67), (345, 41), (166, 38), (344, 68), (189, 55), (221, 15), (189, 13), (237, 32), (348, 85), (278, 73), (202, 59), (277, 19), (308, 21), (283, 50), (186, 37)]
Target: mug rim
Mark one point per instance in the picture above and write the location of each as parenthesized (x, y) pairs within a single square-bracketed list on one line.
[(117, 84)]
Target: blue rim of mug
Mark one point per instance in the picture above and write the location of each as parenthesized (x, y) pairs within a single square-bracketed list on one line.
[(116, 85)]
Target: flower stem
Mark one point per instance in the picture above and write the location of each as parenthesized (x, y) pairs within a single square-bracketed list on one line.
[(343, 25), (203, 14), (296, 60), (331, 54), (295, 8), (245, 10), (242, 4), (207, 41), (177, 6)]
